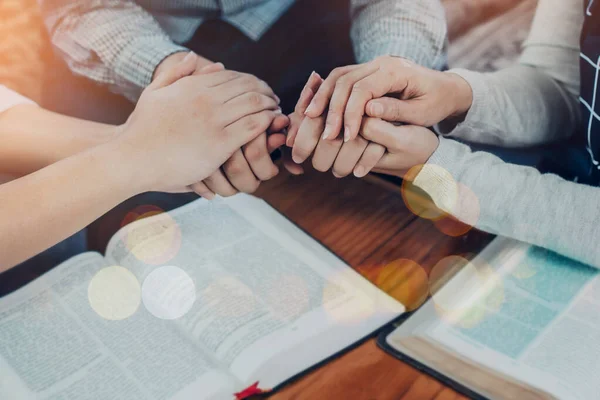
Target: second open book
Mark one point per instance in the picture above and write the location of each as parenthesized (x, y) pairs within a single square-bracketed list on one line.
[(270, 302), (517, 323)]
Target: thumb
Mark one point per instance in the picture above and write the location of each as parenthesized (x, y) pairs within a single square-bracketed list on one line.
[(395, 110), (184, 68)]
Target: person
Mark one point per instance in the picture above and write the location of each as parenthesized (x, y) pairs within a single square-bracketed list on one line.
[(534, 102), (123, 44), (69, 172)]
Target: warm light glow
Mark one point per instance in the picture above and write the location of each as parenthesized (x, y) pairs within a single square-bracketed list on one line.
[(168, 293), (114, 293)]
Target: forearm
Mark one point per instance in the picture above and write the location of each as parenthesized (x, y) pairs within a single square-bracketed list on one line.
[(33, 138), (406, 28), (536, 101), (520, 202), (49, 205), (113, 42)]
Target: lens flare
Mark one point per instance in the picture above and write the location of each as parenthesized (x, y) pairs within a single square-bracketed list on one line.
[(405, 281), (227, 296), (429, 191), (168, 293), (453, 278), (465, 214), (154, 244), (114, 293)]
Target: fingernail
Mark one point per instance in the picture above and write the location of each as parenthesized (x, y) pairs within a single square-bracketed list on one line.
[(220, 64), (279, 111), (189, 56), (359, 171), (310, 109), (346, 134), (296, 159), (327, 132), (376, 109), (277, 99)]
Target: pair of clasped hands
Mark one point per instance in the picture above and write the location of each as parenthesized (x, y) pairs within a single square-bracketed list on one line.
[(218, 127)]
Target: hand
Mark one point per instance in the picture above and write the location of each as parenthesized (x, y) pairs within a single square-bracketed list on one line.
[(407, 145), (252, 163), (423, 97), (175, 59), (304, 136), (185, 127)]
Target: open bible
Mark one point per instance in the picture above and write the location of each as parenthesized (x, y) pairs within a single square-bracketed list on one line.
[(215, 300), (517, 322)]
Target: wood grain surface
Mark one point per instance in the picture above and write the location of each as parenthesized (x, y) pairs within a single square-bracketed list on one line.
[(367, 224)]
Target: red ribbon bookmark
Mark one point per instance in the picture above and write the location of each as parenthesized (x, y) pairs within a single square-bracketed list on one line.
[(250, 391)]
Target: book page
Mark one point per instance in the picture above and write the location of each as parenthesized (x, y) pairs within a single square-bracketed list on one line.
[(262, 287), (58, 341), (538, 323)]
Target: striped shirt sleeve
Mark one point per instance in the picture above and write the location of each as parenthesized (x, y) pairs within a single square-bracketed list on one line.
[(411, 29)]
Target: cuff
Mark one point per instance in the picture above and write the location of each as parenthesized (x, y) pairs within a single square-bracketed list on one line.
[(476, 115), (138, 61), (366, 52), (439, 176), (9, 99)]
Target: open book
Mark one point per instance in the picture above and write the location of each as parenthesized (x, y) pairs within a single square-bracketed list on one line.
[(517, 322), (211, 300)]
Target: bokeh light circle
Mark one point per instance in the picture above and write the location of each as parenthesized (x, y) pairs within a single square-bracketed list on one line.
[(229, 297), (405, 281), (429, 191), (165, 236), (114, 293), (168, 293), (288, 297), (448, 301), (467, 209)]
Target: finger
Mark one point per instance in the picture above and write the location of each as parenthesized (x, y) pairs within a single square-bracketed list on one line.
[(248, 128), (258, 158), (381, 132), (373, 86), (369, 159), (295, 123), (326, 153), (311, 87), (244, 83), (280, 123), (320, 101), (240, 175), (218, 184), (289, 164), (210, 68), (202, 190), (308, 136), (391, 109), (186, 67), (275, 141), (339, 99), (246, 104), (348, 157)]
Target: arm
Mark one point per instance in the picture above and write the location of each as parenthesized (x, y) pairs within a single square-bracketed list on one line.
[(33, 138), (520, 202), (536, 101), (113, 42), (406, 28)]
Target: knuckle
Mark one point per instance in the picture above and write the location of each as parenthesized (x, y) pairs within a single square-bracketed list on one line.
[(253, 153), (234, 167), (255, 99)]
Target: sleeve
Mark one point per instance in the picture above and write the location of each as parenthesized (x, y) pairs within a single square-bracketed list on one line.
[(405, 28), (536, 101), (515, 201), (113, 42), (9, 99)]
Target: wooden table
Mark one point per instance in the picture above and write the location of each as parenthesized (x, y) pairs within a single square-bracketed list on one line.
[(365, 222)]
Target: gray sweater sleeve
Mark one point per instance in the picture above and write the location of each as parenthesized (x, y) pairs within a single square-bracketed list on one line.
[(515, 201), (535, 101), (531, 103)]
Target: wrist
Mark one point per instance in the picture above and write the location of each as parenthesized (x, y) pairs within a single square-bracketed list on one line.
[(125, 165), (174, 59), (462, 94)]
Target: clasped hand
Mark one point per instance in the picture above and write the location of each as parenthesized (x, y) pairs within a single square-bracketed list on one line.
[(367, 102)]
